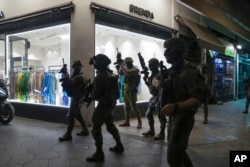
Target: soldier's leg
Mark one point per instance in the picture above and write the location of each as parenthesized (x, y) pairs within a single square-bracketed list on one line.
[(135, 109), (163, 120), (178, 141), (205, 110), (111, 128), (97, 119), (127, 109), (84, 131), (150, 117), (70, 121)]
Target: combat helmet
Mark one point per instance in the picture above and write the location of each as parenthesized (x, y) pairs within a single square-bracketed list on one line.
[(77, 64), (176, 44), (154, 62), (101, 60), (128, 60)]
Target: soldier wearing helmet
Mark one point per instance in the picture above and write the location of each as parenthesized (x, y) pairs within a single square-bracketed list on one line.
[(131, 81), (74, 86), (207, 81), (153, 65), (185, 94), (103, 113)]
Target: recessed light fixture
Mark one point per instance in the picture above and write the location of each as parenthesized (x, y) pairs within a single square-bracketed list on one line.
[(239, 47)]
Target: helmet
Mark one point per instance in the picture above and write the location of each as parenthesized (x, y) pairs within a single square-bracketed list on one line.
[(76, 64), (101, 60), (176, 44), (128, 60), (154, 62)]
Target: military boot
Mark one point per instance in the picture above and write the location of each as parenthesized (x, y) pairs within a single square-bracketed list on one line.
[(118, 147), (98, 156), (84, 132), (150, 132), (160, 136), (66, 137), (125, 123)]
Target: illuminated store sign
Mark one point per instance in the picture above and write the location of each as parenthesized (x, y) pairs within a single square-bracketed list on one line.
[(141, 12), (1, 14), (229, 52)]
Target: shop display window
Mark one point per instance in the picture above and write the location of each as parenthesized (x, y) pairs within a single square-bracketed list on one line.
[(34, 59), (223, 81), (243, 74), (2, 59), (111, 40)]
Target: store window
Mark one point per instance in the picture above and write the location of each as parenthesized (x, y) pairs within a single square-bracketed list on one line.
[(34, 59), (2, 59), (110, 40), (224, 74)]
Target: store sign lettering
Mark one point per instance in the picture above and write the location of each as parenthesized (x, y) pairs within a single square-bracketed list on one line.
[(229, 52), (1, 14), (141, 11)]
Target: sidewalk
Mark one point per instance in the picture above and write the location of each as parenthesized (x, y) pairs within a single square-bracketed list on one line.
[(32, 143)]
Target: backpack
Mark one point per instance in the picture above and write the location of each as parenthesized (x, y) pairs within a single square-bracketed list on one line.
[(203, 81), (112, 87)]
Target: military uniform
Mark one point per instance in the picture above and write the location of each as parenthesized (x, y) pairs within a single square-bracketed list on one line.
[(103, 112), (130, 92), (185, 94), (153, 104), (207, 81), (247, 90), (74, 87)]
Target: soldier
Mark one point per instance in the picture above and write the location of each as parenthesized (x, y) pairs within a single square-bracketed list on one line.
[(132, 78), (106, 92), (247, 89), (74, 86), (153, 65), (207, 92), (185, 96)]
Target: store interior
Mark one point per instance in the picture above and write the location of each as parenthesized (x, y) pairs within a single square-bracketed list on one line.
[(110, 41), (42, 51)]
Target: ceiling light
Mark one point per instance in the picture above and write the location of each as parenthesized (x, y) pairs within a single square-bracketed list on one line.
[(239, 47)]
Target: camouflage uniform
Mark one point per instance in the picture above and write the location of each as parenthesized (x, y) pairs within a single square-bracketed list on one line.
[(154, 102), (207, 92), (247, 90), (103, 112), (74, 87), (185, 90), (130, 93)]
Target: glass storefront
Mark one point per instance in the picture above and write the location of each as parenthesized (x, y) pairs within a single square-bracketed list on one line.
[(223, 77), (243, 73), (2, 59), (110, 40), (34, 59)]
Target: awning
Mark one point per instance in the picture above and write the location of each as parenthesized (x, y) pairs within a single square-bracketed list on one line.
[(205, 38)]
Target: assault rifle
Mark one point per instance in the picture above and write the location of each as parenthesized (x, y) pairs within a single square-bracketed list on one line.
[(164, 96), (119, 59), (64, 71), (87, 96), (144, 67)]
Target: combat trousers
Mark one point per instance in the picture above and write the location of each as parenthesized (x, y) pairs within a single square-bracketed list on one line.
[(247, 103), (103, 114), (150, 116), (179, 131), (74, 112), (130, 98)]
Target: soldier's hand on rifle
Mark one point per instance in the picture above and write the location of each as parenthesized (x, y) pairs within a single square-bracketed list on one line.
[(168, 109)]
